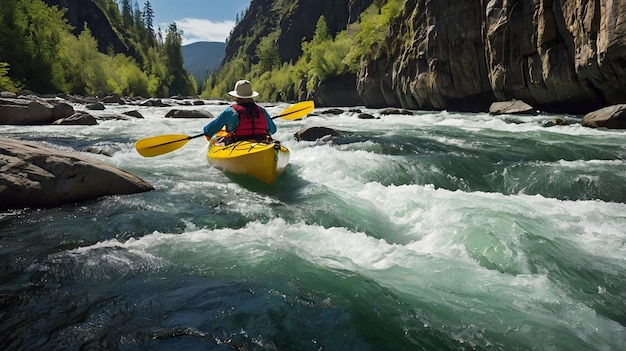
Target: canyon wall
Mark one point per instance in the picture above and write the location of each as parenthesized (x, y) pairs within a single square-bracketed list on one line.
[(565, 56)]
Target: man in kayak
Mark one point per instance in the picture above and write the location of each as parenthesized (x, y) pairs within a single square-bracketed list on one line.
[(243, 120)]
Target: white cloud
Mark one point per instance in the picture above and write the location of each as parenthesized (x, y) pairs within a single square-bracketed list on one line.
[(197, 29)]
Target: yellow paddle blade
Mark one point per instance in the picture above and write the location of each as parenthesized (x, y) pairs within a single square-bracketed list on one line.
[(161, 144), (297, 110)]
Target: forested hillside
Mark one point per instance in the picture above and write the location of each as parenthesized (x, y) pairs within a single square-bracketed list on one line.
[(297, 50), (89, 47)]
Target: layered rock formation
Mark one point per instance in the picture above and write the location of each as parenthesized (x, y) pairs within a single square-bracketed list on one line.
[(561, 56), (557, 56)]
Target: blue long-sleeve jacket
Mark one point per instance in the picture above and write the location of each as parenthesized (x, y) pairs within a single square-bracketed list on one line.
[(230, 119)]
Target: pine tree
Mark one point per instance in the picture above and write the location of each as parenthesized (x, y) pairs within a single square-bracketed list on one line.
[(173, 44), (180, 83), (148, 19), (137, 20), (127, 13)]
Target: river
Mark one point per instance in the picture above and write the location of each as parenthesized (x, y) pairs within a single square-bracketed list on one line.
[(437, 231)]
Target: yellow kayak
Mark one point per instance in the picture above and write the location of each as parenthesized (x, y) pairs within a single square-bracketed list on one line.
[(262, 160)]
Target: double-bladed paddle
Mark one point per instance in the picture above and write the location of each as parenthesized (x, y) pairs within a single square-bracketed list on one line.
[(162, 144)]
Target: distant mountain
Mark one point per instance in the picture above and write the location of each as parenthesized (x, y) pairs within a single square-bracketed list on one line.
[(202, 58)]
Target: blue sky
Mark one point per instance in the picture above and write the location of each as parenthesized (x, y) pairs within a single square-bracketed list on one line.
[(200, 20)]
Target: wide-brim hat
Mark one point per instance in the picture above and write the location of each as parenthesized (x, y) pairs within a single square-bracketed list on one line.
[(243, 90)]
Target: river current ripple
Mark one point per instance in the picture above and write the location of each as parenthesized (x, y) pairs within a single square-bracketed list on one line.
[(437, 231)]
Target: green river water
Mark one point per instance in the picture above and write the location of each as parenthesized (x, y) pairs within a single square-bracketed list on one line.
[(437, 231)]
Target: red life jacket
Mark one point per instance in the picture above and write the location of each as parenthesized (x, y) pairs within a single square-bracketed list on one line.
[(252, 122)]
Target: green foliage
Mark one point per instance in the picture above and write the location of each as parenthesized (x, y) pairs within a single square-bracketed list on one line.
[(129, 79), (82, 64), (6, 83), (180, 81), (148, 19), (157, 73), (38, 51), (267, 51), (110, 9), (127, 13), (30, 41), (323, 56), (371, 31), (220, 83), (321, 31)]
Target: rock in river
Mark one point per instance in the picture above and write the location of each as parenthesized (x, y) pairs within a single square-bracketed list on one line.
[(33, 175), (613, 117)]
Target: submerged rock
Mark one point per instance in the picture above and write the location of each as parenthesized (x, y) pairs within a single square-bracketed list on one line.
[(133, 113), (315, 133), (189, 114), (154, 103), (554, 122), (113, 99), (366, 116), (395, 111), (333, 111), (33, 175), (79, 118), (96, 106)]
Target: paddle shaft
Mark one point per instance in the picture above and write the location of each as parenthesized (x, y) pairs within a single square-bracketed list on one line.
[(176, 141)]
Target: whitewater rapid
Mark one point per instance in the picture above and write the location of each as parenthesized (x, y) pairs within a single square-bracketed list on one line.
[(440, 230)]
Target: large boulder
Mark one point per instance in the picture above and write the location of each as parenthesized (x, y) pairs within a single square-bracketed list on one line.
[(513, 107), (32, 111), (315, 133), (33, 175), (613, 117)]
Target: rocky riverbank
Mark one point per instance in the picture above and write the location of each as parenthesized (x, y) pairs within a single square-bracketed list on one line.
[(34, 175)]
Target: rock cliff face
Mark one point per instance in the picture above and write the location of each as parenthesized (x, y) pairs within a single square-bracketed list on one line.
[(80, 12), (565, 56)]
